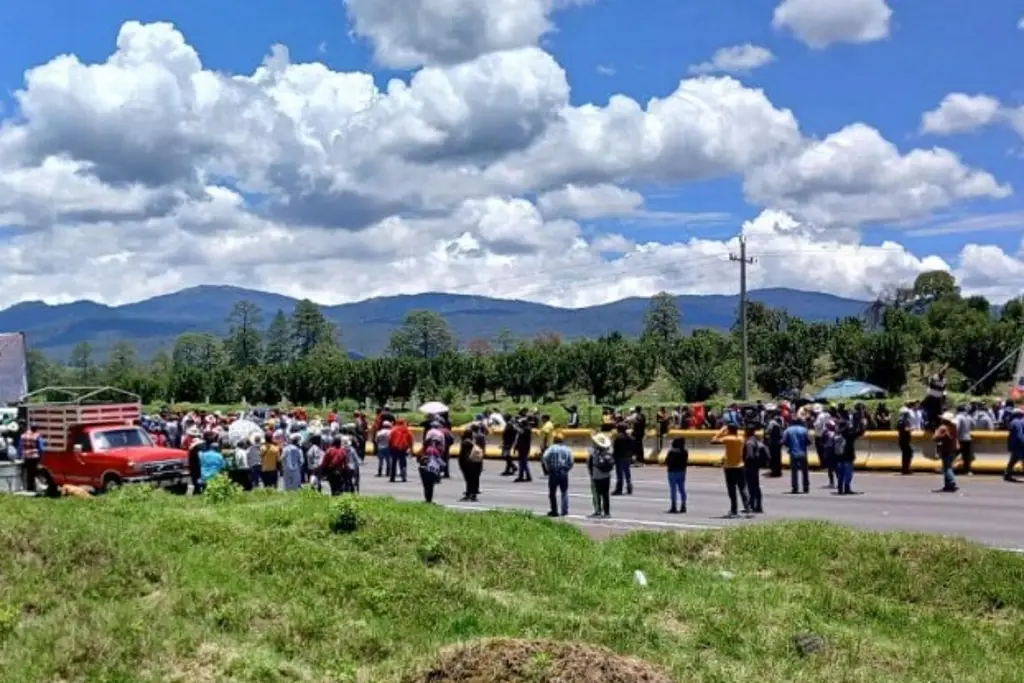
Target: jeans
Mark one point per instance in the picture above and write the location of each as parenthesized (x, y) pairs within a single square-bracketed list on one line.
[(255, 477), (844, 473), (602, 496), (559, 481), (799, 472), (735, 487), (399, 463), (677, 488), (752, 475), (383, 462), (948, 476), (623, 474), (524, 466)]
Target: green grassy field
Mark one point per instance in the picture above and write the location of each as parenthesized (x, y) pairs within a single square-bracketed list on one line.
[(142, 586)]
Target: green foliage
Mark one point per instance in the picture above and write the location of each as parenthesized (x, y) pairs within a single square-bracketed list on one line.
[(260, 589), (346, 515), (221, 489), (297, 357)]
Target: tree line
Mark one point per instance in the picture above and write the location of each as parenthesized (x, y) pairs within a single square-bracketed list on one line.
[(300, 357)]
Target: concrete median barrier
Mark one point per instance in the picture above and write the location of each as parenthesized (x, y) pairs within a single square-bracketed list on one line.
[(876, 451)]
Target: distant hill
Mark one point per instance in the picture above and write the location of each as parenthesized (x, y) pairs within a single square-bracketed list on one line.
[(366, 326)]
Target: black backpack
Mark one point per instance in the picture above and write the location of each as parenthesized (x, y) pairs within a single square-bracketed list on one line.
[(603, 461)]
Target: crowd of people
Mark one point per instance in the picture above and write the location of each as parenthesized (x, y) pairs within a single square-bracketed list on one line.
[(289, 450)]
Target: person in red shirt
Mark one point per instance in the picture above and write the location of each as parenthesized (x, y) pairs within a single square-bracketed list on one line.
[(333, 467), (400, 445)]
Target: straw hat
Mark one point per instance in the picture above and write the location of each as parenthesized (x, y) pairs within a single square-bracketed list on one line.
[(601, 440)]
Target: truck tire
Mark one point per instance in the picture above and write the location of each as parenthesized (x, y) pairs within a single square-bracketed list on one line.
[(111, 482)]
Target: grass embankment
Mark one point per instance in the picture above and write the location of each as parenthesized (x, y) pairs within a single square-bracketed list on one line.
[(148, 587)]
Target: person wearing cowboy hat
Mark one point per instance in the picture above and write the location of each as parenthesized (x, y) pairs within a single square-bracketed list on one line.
[(946, 447), (600, 466), (254, 460)]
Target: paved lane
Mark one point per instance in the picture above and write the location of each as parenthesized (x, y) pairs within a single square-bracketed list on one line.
[(986, 510)]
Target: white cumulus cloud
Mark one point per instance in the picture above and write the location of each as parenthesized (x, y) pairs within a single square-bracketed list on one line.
[(821, 23), (469, 175), (960, 113), (737, 59)]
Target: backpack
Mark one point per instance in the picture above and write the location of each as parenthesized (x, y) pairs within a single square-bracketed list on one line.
[(839, 445), (432, 461), (400, 440), (603, 461)]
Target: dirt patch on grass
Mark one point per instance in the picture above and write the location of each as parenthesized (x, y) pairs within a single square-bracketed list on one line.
[(536, 661)]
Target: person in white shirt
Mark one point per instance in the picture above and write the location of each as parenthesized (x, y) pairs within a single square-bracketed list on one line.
[(964, 425)]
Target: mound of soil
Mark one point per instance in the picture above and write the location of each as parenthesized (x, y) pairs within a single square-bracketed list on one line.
[(507, 660)]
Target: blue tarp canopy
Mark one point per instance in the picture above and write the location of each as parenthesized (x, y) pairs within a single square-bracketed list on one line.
[(849, 388)]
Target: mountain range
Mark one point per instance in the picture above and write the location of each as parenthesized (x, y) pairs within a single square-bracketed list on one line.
[(366, 326)]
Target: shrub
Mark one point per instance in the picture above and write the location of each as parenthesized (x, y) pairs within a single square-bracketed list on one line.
[(347, 515), (221, 489)]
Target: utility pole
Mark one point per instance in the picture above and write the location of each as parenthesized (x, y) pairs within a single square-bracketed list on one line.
[(744, 262)]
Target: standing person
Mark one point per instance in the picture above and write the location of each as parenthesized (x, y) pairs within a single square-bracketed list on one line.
[(1015, 443), (773, 439), (946, 447), (195, 447), (755, 456), (825, 459), (333, 468), (475, 465), (524, 437), (465, 448), (676, 462), (547, 433), (211, 462), (639, 429), (508, 445), (904, 437), (254, 460), (32, 446), (600, 465), (431, 465), (732, 465), (380, 445), (573, 420), (622, 451), (964, 426), (400, 443), (314, 459), (797, 440), (845, 445), (270, 463), (352, 462), (291, 463), (664, 421), (557, 461)]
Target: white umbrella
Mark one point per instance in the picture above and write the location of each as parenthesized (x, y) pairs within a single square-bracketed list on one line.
[(433, 408), (242, 429)]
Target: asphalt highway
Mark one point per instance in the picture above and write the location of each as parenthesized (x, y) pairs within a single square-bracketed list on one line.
[(986, 509)]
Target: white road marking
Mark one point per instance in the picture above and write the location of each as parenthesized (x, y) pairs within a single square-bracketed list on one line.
[(612, 521)]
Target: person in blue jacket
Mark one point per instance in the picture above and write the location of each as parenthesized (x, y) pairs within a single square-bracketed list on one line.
[(211, 462)]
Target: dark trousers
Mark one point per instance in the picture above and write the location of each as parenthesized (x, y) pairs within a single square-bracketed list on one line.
[(623, 475), (269, 479), (558, 482), (472, 471), (752, 477), (510, 465), (254, 477), (602, 496), (799, 472), (906, 455), (638, 449), (524, 466), (429, 480), (30, 468), (336, 482), (399, 463), (735, 487), (826, 461), (966, 455), (775, 459)]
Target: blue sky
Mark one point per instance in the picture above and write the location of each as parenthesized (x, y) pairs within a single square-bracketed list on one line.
[(610, 46)]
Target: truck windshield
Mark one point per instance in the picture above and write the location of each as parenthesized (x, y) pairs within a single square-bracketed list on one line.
[(129, 437)]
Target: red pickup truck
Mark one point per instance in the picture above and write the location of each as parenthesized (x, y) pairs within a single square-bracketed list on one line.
[(100, 445)]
